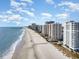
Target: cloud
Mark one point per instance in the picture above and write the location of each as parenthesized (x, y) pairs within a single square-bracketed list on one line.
[(14, 4), (46, 14), (62, 16), (32, 9), (10, 17), (18, 12), (29, 13), (15, 17), (20, 7), (29, 1), (3, 17), (50, 1), (72, 6), (18, 23), (9, 12)]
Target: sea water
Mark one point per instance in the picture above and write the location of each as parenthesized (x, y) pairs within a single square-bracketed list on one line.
[(9, 38)]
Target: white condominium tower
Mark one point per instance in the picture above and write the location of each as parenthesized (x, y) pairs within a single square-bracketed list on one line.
[(71, 35)]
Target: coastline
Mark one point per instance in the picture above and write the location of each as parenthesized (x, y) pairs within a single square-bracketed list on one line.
[(27, 50), (24, 49), (18, 47), (12, 49)]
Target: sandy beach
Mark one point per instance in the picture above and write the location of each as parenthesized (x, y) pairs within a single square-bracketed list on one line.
[(21, 49), (33, 46)]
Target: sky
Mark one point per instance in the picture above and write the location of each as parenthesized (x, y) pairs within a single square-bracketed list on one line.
[(25, 12)]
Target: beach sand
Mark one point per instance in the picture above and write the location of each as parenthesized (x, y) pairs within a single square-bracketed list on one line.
[(33, 46), (24, 48)]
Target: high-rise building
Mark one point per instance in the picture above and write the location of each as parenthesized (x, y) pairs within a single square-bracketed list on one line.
[(71, 35), (39, 28), (34, 26), (44, 30), (54, 31)]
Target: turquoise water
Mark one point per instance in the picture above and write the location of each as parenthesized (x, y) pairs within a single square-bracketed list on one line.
[(8, 35)]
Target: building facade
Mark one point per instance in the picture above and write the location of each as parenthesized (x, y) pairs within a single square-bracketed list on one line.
[(44, 30), (71, 35), (39, 28), (54, 31)]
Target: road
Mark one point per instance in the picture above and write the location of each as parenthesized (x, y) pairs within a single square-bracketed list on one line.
[(34, 46)]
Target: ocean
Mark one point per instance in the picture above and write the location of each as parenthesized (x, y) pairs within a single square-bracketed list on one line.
[(9, 38)]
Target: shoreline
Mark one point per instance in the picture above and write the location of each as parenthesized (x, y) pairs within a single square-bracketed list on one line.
[(26, 50), (18, 47), (12, 48)]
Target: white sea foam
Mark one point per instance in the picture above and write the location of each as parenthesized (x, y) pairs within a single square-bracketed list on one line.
[(13, 46)]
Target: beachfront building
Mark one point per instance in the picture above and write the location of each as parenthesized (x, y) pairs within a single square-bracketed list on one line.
[(34, 26), (54, 31), (48, 28), (39, 28), (71, 35), (44, 30)]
